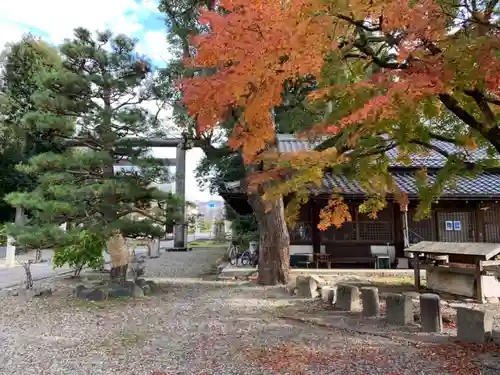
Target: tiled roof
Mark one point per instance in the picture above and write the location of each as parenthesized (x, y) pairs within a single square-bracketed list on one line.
[(432, 159), (486, 185)]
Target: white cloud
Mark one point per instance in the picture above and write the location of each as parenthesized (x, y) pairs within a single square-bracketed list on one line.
[(9, 33), (154, 45), (58, 18)]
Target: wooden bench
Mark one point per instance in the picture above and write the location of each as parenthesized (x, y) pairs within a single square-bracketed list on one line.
[(297, 260)]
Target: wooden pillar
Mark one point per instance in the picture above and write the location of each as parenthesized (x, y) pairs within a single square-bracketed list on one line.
[(479, 282), (401, 229), (479, 224), (316, 235), (416, 271)]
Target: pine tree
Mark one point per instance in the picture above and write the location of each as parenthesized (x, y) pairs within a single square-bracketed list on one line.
[(21, 63), (101, 86)]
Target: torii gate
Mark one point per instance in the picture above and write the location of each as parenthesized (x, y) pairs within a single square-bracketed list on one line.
[(181, 145), (180, 230)]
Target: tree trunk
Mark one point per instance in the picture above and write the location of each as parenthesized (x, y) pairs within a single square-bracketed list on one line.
[(118, 252), (274, 254)]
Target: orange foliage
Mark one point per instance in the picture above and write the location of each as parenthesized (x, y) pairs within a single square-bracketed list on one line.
[(257, 45), (260, 44), (335, 213), (255, 48)]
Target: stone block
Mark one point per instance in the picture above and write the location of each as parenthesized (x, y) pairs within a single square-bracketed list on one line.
[(137, 291), (78, 289), (26, 294), (430, 313), (95, 294), (347, 298), (146, 290), (126, 289), (370, 301), (399, 309), (307, 287), (154, 288), (328, 294), (320, 282), (474, 326)]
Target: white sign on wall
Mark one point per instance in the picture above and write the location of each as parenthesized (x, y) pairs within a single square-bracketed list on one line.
[(453, 226), (449, 225)]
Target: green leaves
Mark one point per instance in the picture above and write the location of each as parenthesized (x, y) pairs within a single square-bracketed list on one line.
[(101, 83), (83, 248), (33, 237)]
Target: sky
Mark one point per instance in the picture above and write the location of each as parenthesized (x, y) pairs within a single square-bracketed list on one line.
[(54, 21)]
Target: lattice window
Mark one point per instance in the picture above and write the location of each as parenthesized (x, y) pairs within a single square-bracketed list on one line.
[(302, 232), (347, 232), (379, 229), (375, 230)]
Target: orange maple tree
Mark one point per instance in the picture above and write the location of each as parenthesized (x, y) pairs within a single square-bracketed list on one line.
[(408, 62)]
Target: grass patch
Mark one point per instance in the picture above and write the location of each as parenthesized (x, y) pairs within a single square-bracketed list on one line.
[(206, 243)]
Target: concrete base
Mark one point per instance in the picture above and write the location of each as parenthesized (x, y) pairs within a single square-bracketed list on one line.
[(348, 298), (399, 309), (370, 301), (474, 326)]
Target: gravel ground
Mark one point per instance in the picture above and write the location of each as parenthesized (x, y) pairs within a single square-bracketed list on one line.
[(193, 327)]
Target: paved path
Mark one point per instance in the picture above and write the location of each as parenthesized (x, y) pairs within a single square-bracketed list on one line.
[(11, 277), (197, 327)]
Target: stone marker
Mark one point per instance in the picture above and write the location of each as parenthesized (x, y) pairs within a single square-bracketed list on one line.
[(474, 326), (155, 248), (347, 298), (153, 287), (430, 313), (370, 301), (307, 287), (95, 294), (399, 309), (320, 282), (328, 294)]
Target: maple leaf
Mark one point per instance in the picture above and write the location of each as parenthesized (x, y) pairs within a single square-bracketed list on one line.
[(391, 67)]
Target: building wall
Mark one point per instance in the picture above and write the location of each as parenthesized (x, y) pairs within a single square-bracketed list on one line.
[(477, 222)]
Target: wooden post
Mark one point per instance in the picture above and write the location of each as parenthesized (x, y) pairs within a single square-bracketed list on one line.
[(406, 230), (479, 282), (416, 270), (315, 232)]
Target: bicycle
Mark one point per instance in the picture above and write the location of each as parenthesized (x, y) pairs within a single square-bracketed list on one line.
[(234, 252)]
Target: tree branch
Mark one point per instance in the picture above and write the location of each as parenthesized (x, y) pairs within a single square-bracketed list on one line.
[(481, 102)]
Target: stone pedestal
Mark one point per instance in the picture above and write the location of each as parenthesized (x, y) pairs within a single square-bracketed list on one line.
[(347, 298), (307, 287), (474, 326), (10, 253), (370, 301), (328, 294), (399, 309), (430, 313)]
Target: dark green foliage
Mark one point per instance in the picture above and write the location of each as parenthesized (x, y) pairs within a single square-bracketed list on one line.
[(101, 86), (22, 64), (142, 228), (244, 227)]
